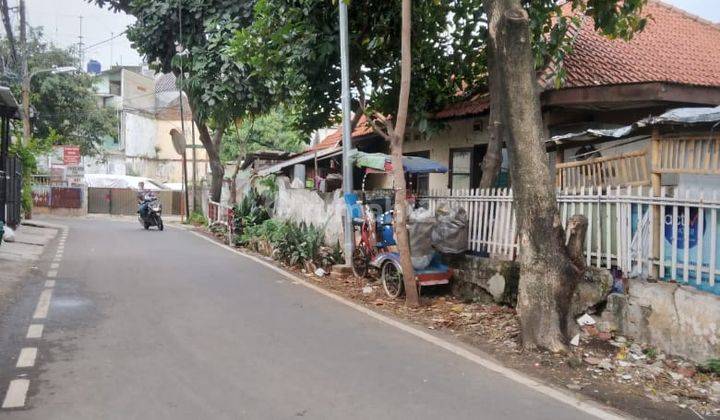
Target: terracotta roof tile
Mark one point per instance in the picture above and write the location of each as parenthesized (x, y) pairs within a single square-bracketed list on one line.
[(362, 128), (674, 47), (473, 106)]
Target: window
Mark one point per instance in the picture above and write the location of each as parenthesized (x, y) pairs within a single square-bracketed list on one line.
[(478, 125), (460, 168), (419, 184)]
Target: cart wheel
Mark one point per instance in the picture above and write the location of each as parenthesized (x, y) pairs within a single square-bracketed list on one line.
[(392, 280), (360, 262)]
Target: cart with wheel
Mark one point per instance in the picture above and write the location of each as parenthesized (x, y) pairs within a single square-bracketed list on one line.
[(374, 249)]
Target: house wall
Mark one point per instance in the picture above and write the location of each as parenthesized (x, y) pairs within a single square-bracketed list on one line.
[(139, 134), (137, 91), (457, 134)]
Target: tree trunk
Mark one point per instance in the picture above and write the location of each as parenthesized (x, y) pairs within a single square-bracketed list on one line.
[(547, 275), (212, 148), (396, 146), (9, 33), (492, 160), (493, 156)]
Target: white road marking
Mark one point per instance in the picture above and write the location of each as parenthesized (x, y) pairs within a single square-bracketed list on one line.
[(52, 273), (35, 331), (16, 393), (27, 357), (55, 265), (49, 283), (41, 310), (587, 406)]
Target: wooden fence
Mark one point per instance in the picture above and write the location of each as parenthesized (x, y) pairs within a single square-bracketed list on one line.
[(671, 236), (625, 169)]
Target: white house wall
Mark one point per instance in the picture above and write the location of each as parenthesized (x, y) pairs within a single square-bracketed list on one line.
[(139, 134), (457, 134)]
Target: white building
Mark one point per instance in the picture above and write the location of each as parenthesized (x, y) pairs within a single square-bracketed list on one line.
[(148, 107)]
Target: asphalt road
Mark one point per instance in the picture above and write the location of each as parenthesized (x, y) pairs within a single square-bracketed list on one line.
[(165, 325)]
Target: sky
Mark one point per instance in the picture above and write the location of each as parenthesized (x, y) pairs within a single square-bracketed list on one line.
[(61, 20)]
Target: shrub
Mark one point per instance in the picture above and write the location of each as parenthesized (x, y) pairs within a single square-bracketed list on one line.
[(249, 212), (294, 244), (197, 218)]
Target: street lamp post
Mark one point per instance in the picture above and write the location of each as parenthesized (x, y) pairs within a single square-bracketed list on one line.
[(346, 129), (26, 96)]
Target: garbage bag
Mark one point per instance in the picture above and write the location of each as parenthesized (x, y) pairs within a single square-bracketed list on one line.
[(420, 225), (450, 235)]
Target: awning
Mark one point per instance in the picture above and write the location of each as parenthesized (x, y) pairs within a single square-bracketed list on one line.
[(320, 154), (677, 116), (411, 164)]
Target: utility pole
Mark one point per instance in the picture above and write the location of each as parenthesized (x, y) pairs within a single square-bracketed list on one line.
[(194, 164), (80, 46), (25, 74), (181, 52), (346, 131)]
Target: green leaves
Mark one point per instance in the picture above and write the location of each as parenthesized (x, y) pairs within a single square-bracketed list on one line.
[(295, 44)]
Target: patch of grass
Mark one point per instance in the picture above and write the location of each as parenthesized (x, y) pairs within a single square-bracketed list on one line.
[(197, 218), (651, 352), (711, 366)]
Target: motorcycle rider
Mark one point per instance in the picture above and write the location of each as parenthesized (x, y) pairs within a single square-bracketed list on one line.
[(144, 198)]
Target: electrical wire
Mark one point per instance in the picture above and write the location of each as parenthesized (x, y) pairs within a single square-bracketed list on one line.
[(105, 41)]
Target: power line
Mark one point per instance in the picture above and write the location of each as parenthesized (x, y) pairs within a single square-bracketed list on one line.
[(106, 40)]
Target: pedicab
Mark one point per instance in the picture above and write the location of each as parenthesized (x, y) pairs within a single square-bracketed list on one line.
[(375, 249)]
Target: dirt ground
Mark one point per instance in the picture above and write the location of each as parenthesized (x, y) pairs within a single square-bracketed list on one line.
[(604, 367)]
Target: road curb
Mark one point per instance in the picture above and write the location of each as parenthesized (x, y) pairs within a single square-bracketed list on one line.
[(587, 405)]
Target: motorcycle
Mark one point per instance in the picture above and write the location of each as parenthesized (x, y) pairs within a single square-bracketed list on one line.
[(152, 216)]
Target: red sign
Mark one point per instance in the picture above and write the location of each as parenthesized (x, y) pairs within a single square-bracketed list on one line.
[(71, 155)]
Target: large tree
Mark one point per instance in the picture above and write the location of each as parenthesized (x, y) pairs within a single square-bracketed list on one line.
[(550, 23), (66, 110), (548, 277), (295, 45), (191, 35)]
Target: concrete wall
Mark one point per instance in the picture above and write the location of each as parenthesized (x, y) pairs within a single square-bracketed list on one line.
[(303, 205), (676, 319), (139, 132), (138, 91)]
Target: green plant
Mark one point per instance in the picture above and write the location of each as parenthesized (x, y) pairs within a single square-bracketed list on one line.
[(197, 218), (250, 211), (28, 158), (650, 352), (711, 366)]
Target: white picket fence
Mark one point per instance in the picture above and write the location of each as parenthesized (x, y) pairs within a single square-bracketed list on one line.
[(628, 228)]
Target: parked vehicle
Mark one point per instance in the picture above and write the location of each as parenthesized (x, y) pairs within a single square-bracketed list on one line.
[(377, 239), (150, 212)]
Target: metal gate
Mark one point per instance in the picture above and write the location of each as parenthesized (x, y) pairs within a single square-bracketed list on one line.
[(124, 201), (11, 191)]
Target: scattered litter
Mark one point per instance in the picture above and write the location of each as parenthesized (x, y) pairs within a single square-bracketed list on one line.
[(9, 235), (575, 340), (367, 290), (586, 320), (606, 364), (320, 272)]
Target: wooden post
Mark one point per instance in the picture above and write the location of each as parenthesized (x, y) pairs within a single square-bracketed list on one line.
[(655, 178)]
